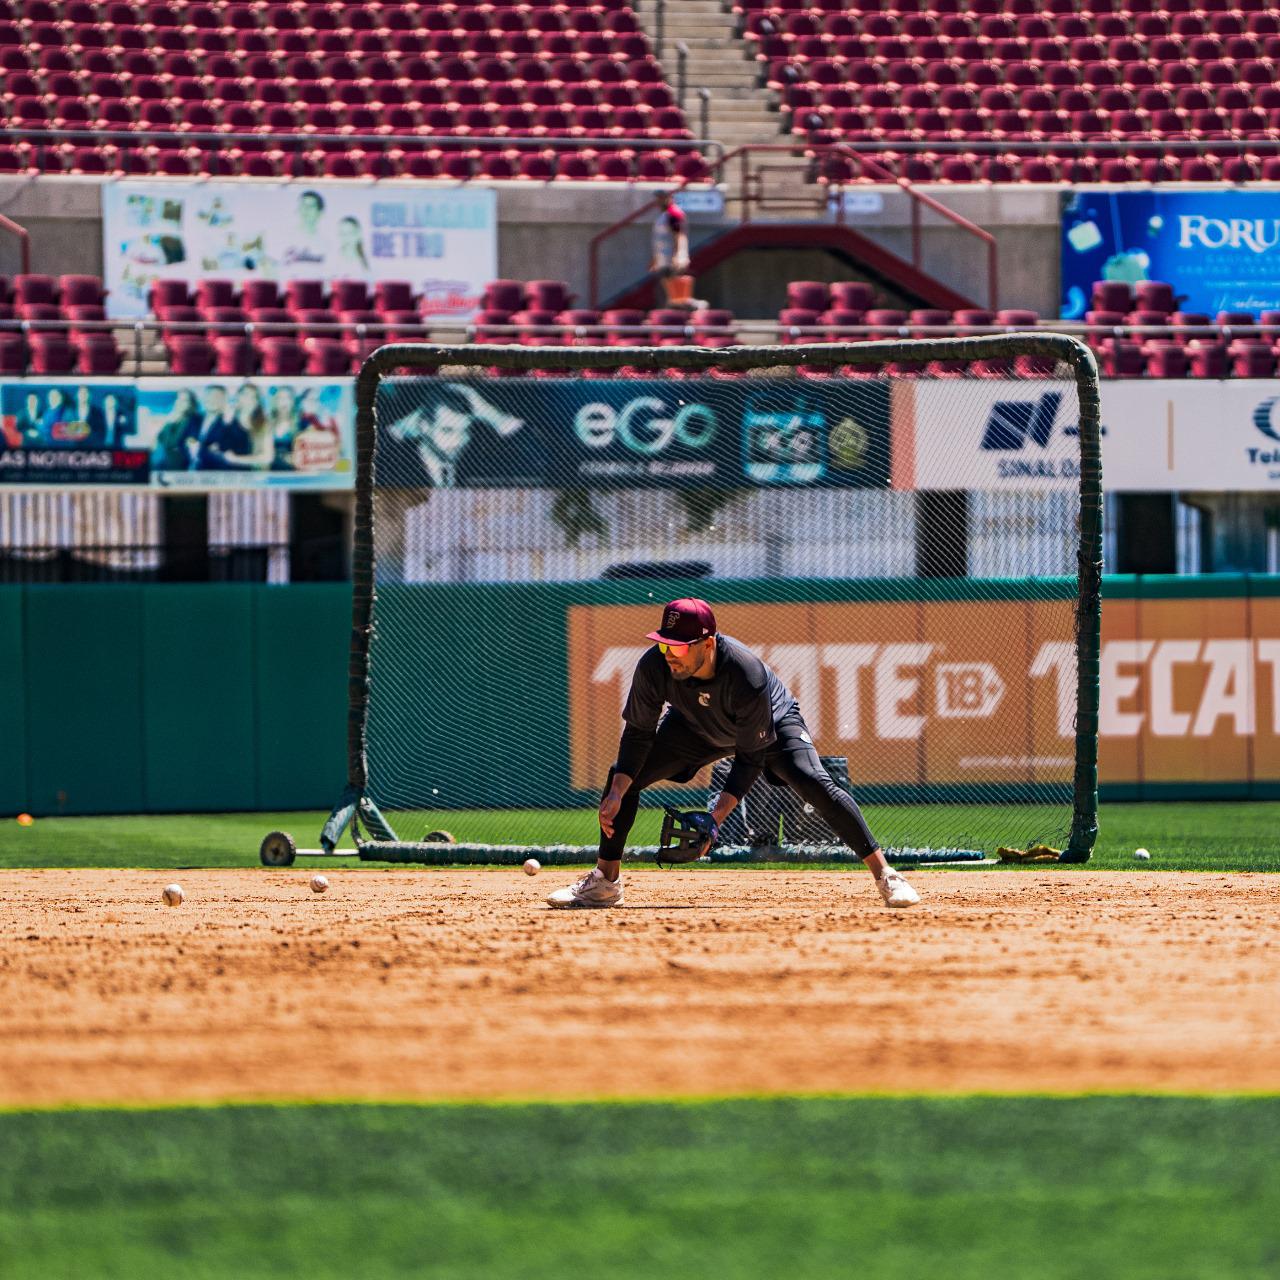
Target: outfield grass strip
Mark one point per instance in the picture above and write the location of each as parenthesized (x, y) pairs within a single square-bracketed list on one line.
[(891, 1188)]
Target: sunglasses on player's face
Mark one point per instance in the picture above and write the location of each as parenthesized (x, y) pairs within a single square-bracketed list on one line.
[(675, 650)]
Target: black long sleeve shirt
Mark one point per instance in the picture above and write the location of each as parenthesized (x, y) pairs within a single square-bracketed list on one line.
[(735, 710)]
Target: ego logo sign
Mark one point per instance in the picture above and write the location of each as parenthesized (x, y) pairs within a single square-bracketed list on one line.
[(644, 425)]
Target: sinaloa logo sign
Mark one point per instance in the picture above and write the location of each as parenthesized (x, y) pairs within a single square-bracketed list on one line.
[(1191, 435), (991, 435), (1024, 431)]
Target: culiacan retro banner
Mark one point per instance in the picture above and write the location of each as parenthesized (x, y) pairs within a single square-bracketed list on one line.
[(442, 242)]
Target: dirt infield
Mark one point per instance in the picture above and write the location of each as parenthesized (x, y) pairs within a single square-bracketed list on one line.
[(461, 984)]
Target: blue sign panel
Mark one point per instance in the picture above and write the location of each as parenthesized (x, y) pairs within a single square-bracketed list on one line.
[(634, 433), (1220, 250)]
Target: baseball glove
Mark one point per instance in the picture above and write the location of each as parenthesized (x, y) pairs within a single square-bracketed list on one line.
[(1036, 853), (686, 836)]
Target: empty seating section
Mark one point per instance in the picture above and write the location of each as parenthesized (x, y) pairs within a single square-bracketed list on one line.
[(298, 327), (1019, 71), (55, 325), (567, 81)]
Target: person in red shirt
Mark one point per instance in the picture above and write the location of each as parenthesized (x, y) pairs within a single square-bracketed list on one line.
[(670, 258)]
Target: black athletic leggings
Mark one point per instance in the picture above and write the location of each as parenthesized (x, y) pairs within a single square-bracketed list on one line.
[(678, 753)]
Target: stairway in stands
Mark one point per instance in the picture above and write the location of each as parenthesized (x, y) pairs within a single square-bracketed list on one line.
[(718, 62)]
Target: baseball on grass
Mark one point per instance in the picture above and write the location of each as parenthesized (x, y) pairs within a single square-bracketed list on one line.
[(173, 895), (1142, 855), (532, 866), (319, 884)]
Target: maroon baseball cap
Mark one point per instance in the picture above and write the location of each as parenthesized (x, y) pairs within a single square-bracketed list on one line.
[(684, 621)]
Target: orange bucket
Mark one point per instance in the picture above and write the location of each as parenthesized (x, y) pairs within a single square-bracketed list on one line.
[(679, 289)]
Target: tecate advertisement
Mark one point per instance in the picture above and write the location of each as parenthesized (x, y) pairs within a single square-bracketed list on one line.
[(914, 693)]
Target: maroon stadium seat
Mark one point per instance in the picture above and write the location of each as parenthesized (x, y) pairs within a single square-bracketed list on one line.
[(326, 357), (282, 357), (1166, 359), (97, 353), (35, 289), (1208, 358), (794, 318), (234, 354), (1251, 358), (13, 353), (808, 295), (51, 352)]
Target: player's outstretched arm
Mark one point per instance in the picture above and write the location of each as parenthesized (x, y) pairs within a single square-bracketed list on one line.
[(612, 802)]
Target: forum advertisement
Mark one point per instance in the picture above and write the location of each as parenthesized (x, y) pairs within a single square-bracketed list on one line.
[(442, 242), (1220, 250)]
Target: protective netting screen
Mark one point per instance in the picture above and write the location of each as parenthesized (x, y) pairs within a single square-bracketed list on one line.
[(899, 540)]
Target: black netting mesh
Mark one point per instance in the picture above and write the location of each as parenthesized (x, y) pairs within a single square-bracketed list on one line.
[(899, 539)]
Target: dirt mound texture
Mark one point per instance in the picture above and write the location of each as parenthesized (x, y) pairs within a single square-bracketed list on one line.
[(434, 984)]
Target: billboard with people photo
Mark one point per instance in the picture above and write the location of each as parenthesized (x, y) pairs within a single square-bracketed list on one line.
[(201, 433), (247, 432), (442, 242)]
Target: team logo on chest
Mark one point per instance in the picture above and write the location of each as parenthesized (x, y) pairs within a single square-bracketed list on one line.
[(704, 699)]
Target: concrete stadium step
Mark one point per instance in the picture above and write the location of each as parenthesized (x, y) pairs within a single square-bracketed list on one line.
[(740, 111)]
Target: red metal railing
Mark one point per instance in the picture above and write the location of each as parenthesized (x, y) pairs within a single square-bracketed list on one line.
[(812, 198), (24, 240), (751, 191)]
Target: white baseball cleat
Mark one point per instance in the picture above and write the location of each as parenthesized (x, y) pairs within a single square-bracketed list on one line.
[(593, 890), (895, 890)]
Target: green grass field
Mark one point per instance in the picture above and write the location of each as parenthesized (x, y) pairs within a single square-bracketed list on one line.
[(886, 1188), (1197, 835), (976, 1188)]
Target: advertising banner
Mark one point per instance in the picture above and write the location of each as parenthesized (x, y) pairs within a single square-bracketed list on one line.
[(1219, 249), (633, 433), (985, 434), (915, 693), (1157, 436), (197, 433), (1191, 436), (443, 242)]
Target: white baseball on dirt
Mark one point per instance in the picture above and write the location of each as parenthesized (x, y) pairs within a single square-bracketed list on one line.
[(319, 884), (173, 895), (1142, 855), (532, 866)]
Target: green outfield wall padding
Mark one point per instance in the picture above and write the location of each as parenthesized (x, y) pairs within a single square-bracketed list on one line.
[(13, 706), (300, 665), (125, 698), (84, 674), (167, 698), (199, 689)]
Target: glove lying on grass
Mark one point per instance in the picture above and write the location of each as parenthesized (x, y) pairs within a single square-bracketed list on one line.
[(1036, 853)]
